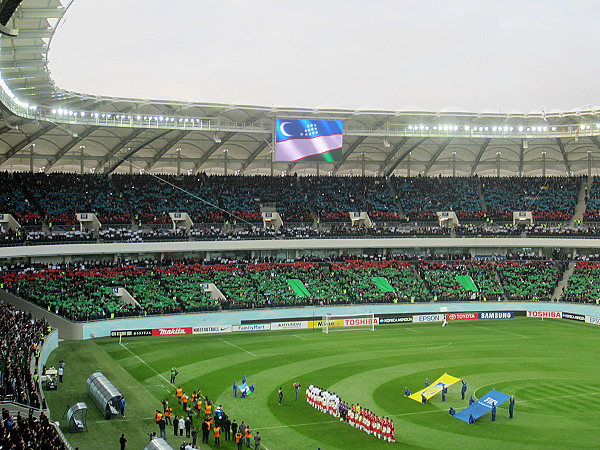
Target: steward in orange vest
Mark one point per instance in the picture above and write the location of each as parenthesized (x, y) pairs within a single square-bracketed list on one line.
[(217, 433), (168, 412)]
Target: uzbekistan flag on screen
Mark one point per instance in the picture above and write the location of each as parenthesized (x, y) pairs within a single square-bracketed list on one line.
[(309, 140)]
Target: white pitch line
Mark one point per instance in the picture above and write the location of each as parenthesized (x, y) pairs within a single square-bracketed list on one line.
[(147, 365), (560, 396), (441, 346), (298, 425), (300, 337), (502, 331), (416, 331), (239, 348)]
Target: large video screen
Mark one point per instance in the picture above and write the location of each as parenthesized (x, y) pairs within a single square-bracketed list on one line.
[(309, 140)]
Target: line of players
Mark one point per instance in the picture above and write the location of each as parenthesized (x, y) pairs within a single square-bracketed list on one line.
[(354, 415)]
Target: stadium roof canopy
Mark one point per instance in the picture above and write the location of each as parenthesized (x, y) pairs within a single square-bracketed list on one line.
[(46, 128)]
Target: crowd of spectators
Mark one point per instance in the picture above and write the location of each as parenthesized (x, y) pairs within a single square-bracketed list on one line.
[(592, 201), (86, 291), (21, 433), (21, 335), (334, 197), (584, 283), (422, 197), (548, 198), (53, 199)]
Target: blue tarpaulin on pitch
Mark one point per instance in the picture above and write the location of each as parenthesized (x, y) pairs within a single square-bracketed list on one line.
[(483, 405)]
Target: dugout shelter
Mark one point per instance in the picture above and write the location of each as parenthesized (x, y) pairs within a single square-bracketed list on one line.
[(104, 395)]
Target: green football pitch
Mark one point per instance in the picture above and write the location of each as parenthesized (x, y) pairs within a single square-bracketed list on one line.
[(552, 368)]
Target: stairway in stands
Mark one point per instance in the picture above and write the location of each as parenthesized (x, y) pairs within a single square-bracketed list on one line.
[(585, 187), (562, 284), (395, 194)]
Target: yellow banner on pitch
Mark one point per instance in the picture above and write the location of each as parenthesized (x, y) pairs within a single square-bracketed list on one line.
[(435, 388), (321, 323)]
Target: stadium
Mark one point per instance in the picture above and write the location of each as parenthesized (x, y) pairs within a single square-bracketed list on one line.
[(316, 259)]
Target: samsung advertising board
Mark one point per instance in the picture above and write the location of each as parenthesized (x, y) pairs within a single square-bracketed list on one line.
[(497, 315)]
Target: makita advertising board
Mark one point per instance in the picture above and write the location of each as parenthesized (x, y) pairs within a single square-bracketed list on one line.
[(175, 331)]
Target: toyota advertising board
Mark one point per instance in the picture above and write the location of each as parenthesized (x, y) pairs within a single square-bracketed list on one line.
[(462, 316)]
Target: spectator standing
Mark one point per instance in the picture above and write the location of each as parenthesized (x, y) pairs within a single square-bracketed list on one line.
[(181, 425), (122, 441), (257, 440), (227, 428), (194, 436), (162, 428)]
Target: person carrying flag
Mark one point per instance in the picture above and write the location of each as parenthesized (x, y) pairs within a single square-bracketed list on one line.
[(471, 400), (463, 389), (511, 406)]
